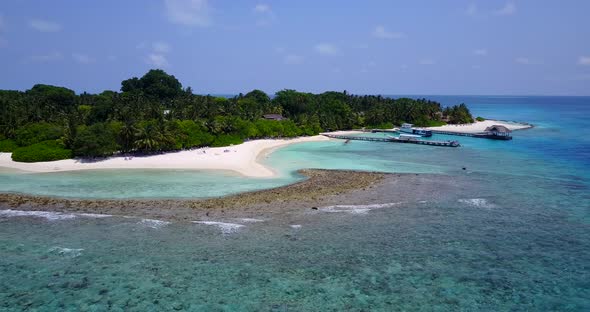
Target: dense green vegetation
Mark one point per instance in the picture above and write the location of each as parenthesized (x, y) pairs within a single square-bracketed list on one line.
[(7, 146), (480, 119), (154, 114), (42, 151), (458, 114)]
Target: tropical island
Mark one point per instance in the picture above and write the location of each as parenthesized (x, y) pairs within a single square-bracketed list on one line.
[(155, 114)]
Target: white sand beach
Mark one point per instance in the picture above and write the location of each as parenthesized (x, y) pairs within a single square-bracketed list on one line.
[(240, 158), (480, 126)]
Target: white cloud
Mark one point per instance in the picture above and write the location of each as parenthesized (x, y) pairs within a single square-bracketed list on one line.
[(480, 52), (51, 57), (157, 55), (584, 60), (83, 58), (381, 32), (508, 9), (262, 8), (161, 47), (294, 59), (326, 49), (471, 10), (188, 12), (44, 26), (427, 61), (157, 60), (523, 60), (265, 14)]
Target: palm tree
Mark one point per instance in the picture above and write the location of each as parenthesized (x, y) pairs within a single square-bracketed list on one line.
[(127, 135), (148, 137)]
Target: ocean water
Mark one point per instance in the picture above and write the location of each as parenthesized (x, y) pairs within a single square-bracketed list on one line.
[(514, 237)]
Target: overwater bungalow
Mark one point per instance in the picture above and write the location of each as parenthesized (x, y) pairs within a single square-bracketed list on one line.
[(498, 132)]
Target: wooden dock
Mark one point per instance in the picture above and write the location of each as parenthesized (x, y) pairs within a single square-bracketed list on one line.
[(465, 134), (394, 140), (473, 135), (453, 133), (384, 130)]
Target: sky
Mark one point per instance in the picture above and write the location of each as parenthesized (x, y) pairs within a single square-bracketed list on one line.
[(520, 47)]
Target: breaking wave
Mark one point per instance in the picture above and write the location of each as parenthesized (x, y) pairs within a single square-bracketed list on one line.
[(66, 252), (477, 202), (226, 228), (94, 215), (49, 215), (357, 209), (152, 223), (250, 220)]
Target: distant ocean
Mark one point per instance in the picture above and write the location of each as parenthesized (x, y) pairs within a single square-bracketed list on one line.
[(516, 239)]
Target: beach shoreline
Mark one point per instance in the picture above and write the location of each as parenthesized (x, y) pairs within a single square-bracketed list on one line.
[(245, 159), (242, 158)]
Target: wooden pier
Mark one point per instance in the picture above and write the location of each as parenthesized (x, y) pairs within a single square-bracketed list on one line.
[(394, 140), (473, 135), (384, 130)]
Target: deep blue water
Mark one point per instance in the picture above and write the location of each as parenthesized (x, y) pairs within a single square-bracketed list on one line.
[(515, 236)]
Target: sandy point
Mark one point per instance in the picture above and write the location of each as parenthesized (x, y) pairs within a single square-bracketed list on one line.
[(242, 158), (480, 126)]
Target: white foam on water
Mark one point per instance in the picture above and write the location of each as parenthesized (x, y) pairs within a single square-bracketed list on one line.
[(295, 226), (49, 215), (226, 228), (477, 202), (67, 252), (152, 223), (94, 215), (250, 220), (357, 209)]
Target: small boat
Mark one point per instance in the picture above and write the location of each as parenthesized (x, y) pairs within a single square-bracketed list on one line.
[(407, 136), (408, 128)]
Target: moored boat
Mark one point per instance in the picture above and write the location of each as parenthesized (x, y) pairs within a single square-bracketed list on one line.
[(408, 128)]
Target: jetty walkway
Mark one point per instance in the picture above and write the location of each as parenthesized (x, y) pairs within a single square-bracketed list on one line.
[(394, 140), (482, 135)]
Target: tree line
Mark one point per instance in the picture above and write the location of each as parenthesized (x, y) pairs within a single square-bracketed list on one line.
[(155, 113)]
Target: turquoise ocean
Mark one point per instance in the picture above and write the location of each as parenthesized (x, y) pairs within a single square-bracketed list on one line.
[(517, 238)]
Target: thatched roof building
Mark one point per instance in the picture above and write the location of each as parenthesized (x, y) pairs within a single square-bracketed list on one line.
[(498, 130), (273, 117)]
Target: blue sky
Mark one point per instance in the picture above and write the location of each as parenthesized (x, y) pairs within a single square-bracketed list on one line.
[(375, 46)]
